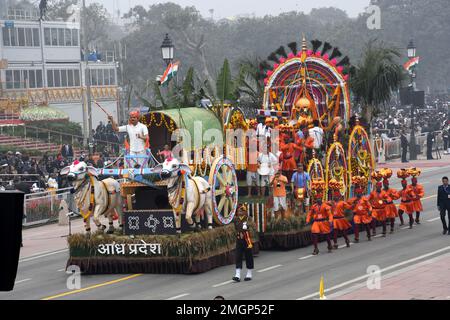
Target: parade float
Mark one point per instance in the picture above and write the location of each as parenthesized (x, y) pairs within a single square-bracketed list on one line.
[(303, 88), (311, 85), (156, 236)]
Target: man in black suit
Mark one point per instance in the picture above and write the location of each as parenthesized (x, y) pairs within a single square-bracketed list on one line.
[(67, 152), (443, 203), (430, 140), (404, 145)]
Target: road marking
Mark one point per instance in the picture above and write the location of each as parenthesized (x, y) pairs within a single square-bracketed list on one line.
[(306, 257), (270, 268), (21, 281), (222, 284), (378, 236), (404, 228), (42, 255), (60, 270), (344, 284), (435, 219), (179, 296), (344, 245), (92, 287)]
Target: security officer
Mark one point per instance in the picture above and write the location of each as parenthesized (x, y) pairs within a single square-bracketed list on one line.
[(244, 244), (443, 203)]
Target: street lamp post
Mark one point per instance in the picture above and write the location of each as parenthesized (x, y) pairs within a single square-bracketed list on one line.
[(167, 52), (167, 49), (412, 73)]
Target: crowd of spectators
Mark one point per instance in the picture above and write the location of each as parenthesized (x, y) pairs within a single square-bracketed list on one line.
[(35, 172), (105, 134), (16, 168), (396, 119)]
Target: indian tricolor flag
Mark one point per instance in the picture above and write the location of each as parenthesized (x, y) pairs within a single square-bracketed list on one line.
[(411, 63), (170, 73)]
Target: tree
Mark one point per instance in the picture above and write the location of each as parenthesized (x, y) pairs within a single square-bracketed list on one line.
[(191, 26), (100, 31), (250, 82), (375, 78)]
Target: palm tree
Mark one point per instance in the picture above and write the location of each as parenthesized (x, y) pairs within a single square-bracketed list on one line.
[(250, 82), (375, 78)]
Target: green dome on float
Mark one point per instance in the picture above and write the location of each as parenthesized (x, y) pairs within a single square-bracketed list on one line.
[(43, 113)]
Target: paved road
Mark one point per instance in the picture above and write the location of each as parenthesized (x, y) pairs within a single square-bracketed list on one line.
[(279, 275)]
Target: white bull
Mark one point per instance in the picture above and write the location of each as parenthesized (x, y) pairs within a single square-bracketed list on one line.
[(198, 195), (93, 197)]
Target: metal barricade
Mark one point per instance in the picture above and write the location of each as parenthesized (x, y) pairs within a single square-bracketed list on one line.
[(393, 146), (44, 207)]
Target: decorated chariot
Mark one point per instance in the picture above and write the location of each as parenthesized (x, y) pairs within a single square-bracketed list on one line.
[(199, 189)]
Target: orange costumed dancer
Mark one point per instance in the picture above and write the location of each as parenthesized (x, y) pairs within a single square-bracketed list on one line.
[(391, 195), (407, 196), (289, 163), (362, 209), (419, 192), (377, 200), (321, 215), (340, 223), (307, 145)]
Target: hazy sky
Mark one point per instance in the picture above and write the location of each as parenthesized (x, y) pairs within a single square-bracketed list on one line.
[(229, 8)]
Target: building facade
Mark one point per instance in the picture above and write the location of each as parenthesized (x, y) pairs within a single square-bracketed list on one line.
[(42, 63)]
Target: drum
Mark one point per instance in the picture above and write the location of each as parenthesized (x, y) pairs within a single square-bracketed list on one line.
[(300, 194)]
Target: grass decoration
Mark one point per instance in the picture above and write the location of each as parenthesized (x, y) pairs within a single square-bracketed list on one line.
[(291, 224), (190, 246)]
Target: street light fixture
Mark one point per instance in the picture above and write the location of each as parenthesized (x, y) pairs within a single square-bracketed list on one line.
[(167, 49), (413, 146), (411, 49)]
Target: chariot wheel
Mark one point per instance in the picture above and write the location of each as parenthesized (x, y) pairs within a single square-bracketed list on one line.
[(224, 188)]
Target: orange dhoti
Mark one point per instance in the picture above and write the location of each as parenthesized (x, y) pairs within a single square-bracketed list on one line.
[(321, 226), (406, 206), (341, 223), (417, 206), (391, 211), (379, 214), (362, 219)]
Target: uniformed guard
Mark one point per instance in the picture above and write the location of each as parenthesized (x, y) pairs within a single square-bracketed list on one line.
[(244, 245)]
